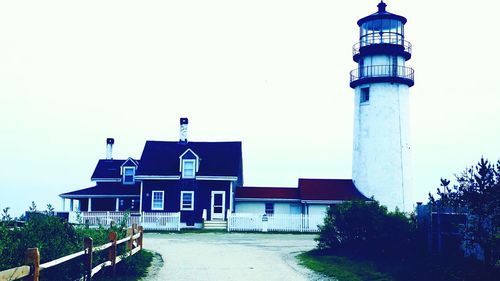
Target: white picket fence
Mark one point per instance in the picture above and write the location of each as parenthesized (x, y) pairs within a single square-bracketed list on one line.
[(148, 220), (276, 222)]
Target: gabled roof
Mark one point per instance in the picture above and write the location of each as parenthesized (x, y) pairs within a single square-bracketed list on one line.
[(161, 158), (329, 189), (130, 162), (107, 189), (291, 193), (109, 169)]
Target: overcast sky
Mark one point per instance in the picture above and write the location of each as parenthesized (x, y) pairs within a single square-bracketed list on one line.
[(272, 74)]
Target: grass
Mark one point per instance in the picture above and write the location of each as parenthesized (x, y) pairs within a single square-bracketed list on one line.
[(342, 268), (131, 269), (435, 268)]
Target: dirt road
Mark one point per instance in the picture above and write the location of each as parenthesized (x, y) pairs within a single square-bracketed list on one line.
[(230, 256)]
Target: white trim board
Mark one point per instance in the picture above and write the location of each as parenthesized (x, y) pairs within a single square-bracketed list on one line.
[(98, 196), (154, 177), (178, 177), (106, 179), (323, 201)]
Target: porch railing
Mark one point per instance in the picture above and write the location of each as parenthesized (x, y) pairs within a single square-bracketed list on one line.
[(148, 220)]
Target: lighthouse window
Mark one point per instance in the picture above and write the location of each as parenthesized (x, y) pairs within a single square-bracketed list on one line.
[(365, 95)]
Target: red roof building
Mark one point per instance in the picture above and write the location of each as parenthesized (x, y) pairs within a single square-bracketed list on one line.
[(308, 191)]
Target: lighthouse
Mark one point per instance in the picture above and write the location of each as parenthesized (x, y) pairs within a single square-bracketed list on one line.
[(381, 82)]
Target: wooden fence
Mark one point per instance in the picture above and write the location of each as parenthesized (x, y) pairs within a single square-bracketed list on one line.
[(33, 267), (276, 222), (149, 220)]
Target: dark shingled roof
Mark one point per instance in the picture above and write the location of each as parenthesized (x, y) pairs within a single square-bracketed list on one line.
[(104, 189), (108, 169), (309, 189), (329, 189), (216, 158), (268, 192)]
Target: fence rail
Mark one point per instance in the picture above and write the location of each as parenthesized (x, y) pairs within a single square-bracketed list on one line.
[(32, 270), (276, 222), (148, 220)]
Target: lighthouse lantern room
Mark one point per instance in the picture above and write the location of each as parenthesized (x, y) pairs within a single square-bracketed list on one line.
[(381, 149)]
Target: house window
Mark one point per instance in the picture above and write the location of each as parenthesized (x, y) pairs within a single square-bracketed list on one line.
[(188, 168), (128, 175), (269, 208), (187, 200), (365, 95), (157, 200)]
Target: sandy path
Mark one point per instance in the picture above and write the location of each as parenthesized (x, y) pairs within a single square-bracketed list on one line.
[(230, 256)]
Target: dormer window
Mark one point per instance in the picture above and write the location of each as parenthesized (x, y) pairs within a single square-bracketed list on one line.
[(189, 163), (128, 175), (128, 171), (188, 168)]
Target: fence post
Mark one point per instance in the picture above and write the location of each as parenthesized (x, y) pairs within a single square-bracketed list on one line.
[(32, 258), (107, 218), (87, 244), (130, 232), (141, 231), (112, 252)]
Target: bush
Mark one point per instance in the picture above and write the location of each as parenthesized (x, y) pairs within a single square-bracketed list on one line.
[(367, 229), (55, 238)]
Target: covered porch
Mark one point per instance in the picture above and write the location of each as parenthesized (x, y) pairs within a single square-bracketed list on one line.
[(103, 197)]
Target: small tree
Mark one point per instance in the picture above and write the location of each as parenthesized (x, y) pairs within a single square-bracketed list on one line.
[(5, 214), (32, 208)]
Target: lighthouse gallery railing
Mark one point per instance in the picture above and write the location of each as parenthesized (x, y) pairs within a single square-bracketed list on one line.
[(382, 71)]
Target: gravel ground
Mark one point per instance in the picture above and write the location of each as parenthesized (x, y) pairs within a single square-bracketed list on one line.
[(229, 256)]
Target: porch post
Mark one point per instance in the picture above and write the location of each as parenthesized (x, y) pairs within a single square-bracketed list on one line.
[(63, 204), (117, 205), (231, 197), (89, 207), (140, 200), (71, 205)]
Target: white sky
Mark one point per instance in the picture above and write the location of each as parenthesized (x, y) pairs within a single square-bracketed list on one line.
[(272, 74)]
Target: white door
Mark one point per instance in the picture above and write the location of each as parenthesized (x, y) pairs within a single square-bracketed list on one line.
[(218, 204)]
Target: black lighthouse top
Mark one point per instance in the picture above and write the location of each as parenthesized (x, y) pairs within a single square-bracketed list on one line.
[(382, 33), (382, 14)]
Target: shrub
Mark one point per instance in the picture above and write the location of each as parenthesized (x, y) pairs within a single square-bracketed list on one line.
[(55, 238), (367, 229)]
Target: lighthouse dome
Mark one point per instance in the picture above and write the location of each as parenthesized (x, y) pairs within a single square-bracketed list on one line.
[(382, 14)]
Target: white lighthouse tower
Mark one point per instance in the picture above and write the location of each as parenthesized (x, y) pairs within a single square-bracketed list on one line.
[(381, 152)]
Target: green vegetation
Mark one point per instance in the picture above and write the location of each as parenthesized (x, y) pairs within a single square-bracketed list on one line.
[(477, 191), (346, 267), (56, 238), (342, 268), (367, 229), (131, 269), (363, 241)]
